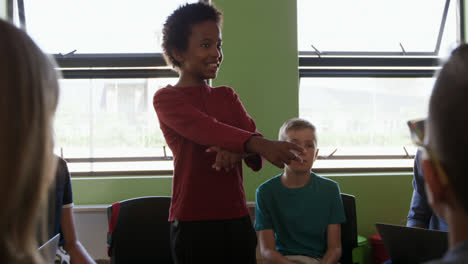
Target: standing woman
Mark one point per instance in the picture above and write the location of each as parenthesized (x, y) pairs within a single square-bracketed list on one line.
[(28, 100)]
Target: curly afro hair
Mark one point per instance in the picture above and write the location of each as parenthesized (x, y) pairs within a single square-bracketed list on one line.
[(178, 27)]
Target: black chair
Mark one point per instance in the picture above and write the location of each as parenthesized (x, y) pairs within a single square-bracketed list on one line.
[(139, 231), (348, 229)]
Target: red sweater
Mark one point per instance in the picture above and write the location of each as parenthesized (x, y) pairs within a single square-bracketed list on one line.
[(193, 119)]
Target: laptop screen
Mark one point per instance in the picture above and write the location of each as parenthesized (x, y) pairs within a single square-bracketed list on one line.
[(412, 245)]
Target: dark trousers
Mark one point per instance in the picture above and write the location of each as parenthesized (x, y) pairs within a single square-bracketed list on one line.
[(220, 241)]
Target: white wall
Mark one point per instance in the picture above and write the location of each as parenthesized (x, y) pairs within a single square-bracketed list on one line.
[(91, 228)]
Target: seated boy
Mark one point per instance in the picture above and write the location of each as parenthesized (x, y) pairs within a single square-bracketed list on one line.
[(298, 214)]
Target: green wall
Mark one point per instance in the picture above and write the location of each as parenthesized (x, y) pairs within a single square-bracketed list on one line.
[(379, 197), (106, 190), (260, 63)]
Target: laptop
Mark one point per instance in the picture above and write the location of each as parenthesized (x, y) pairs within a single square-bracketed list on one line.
[(49, 249), (412, 245)]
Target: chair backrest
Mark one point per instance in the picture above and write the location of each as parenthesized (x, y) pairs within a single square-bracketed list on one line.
[(348, 229), (139, 231)]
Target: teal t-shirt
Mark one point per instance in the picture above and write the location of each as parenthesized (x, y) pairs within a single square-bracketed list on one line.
[(299, 216)]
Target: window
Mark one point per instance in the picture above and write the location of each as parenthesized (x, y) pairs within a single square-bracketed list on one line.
[(103, 118), (366, 26), (364, 116), (98, 26), (365, 69), (109, 52)]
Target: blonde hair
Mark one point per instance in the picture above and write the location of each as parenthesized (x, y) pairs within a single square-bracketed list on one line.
[(295, 124), (29, 95)]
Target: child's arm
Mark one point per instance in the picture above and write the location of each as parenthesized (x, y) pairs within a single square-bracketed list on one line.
[(174, 111), (252, 160), (227, 160), (276, 152), (268, 250), (333, 253)]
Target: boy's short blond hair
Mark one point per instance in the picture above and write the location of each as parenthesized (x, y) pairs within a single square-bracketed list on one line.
[(295, 124)]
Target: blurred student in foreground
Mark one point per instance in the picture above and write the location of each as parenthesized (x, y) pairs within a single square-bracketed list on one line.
[(29, 92), (444, 160)]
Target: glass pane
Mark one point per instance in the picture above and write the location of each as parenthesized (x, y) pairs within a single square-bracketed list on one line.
[(364, 116), (98, 26), (110, 118), (370, 25)]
